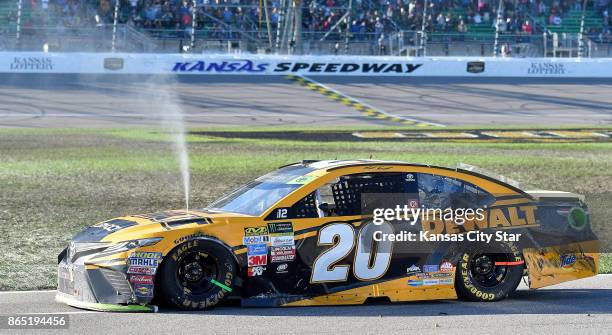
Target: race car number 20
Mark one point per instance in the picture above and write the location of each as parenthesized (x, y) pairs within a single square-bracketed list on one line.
[(325, 267)]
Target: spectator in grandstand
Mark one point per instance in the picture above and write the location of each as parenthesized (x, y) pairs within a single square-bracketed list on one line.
[(527, 28)]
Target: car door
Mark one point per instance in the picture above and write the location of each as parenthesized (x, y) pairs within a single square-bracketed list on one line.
[(332, 235)]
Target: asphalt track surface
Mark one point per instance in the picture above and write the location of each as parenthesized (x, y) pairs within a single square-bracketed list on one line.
[(129, 100), (579, 307)]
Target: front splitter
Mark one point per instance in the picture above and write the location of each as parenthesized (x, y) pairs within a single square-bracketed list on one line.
[(69, 300)]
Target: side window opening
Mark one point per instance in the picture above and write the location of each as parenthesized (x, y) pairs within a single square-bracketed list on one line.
[(345, 195), (444, 192), (307, 207)]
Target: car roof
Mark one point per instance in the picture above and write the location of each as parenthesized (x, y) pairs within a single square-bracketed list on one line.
[(330, 165), (336, 164)]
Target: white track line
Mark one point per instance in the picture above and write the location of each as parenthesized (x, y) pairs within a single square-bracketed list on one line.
[(32, 291)]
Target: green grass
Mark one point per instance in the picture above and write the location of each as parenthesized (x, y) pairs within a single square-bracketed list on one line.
[(56, 182)]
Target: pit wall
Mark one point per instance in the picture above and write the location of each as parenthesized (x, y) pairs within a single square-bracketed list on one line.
[(246, 64)]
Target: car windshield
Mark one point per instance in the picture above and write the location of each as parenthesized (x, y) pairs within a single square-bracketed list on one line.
[(260, 194)]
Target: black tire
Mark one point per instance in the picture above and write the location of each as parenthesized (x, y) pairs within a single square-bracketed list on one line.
[(185, 277), (478, 278)]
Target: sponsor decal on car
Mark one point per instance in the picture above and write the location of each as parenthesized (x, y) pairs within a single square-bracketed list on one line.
[(257, 249), (446, 266), (282, 254), (280, 229), (282, 240), (114, 225), (141, 279), (446, 281), (566, 261), (187, 238), (302, 180), (143, 290), (144, 270), (144, 261), (255, 271), (430, 268), (413, 282), (430, 282), (423, 275), (257, 260), (256, 231), (507, 217), (248, 240), (441, 275), (414, 269), (282, 268)]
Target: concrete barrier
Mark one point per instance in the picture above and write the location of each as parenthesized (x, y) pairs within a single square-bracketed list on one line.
[(246, 64)]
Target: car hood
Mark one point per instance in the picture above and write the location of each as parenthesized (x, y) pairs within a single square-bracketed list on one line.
[(143, 225)]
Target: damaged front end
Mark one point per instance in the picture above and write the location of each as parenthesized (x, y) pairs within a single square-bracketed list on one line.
[(107, 277)]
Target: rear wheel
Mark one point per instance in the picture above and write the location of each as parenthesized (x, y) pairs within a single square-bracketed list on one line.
[(196, 275), (483, 275)]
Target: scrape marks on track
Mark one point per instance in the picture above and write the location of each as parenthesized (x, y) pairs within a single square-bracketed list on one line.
[(363, 108)]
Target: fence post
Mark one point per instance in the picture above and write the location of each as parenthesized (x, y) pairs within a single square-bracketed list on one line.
[(497, 27), (423, 27), (193, 25), (18, 33), (116, 14)]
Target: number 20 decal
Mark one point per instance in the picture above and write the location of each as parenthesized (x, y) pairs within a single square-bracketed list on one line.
[(325, 269)]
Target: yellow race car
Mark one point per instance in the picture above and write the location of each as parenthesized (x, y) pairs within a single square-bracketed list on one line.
[(332, 233)]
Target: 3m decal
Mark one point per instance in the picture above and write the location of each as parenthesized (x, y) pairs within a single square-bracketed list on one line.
[(257, 260)]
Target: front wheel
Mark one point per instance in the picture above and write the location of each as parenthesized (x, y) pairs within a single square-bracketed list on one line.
[(486, 276), (197, 275)]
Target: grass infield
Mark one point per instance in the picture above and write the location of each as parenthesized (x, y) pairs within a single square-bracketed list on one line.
[(56, 182)]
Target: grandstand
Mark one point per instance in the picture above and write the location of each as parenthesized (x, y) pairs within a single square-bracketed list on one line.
[(308, 26)]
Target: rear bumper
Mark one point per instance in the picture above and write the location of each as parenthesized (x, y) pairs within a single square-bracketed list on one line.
[(558, 264)]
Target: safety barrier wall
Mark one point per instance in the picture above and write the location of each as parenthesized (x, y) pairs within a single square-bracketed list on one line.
[(245, 64)]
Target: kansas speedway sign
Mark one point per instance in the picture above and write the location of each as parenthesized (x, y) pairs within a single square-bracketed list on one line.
[(295, 65)]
